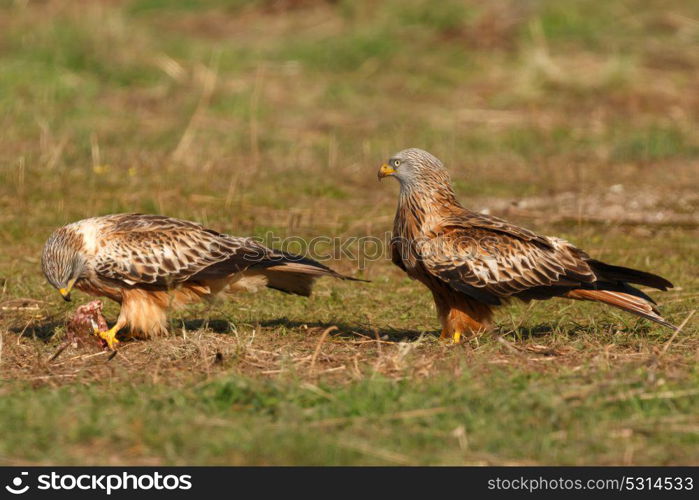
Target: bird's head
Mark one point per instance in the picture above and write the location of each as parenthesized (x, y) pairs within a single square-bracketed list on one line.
[(62, 262), (414, 166)]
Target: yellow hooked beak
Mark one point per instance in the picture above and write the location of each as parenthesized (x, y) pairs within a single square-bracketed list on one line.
[(65, 292), (385, 170)]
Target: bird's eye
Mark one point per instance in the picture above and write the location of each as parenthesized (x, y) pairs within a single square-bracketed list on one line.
[(396, 163)]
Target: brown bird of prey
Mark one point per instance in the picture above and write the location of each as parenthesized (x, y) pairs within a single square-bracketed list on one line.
[(472, 262), (150, 263)]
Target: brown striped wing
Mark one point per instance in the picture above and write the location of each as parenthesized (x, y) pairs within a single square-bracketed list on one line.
[(490, 259), (156, 250)]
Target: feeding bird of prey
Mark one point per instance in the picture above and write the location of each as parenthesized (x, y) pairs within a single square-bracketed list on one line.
[(151, 263), (472, 262)]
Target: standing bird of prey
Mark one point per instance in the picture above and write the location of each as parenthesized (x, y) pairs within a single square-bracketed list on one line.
[(472, 262), (150, 263)]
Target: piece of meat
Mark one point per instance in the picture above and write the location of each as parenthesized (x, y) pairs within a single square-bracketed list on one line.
[(80, 327)]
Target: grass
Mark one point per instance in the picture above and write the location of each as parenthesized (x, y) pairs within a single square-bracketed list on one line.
[(450, 420), (271, 117)]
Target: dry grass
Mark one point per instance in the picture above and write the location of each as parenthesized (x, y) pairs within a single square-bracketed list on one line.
[(272, 116)]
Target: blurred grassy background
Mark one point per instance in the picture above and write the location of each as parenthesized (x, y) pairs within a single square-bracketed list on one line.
[(273, 115)]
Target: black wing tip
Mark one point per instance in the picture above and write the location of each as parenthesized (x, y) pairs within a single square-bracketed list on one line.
[(657, 318), (620, 273), (665, 323), (312, 262)]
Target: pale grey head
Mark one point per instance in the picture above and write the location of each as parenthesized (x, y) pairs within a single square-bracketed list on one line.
[(414, 167), (61, 260)]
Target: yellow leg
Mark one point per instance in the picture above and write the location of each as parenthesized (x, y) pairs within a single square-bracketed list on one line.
[(109, 336), (455, 337)]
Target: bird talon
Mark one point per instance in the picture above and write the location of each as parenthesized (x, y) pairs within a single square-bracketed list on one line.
[(457, 337), (109, 336)]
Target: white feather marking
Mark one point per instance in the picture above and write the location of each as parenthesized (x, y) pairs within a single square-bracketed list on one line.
[(89, 229), (494, 270)]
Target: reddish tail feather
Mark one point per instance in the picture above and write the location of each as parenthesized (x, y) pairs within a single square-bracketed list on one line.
[(624, 301)]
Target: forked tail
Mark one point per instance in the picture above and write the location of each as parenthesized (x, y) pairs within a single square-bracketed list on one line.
[(630, 303), (293, 274)]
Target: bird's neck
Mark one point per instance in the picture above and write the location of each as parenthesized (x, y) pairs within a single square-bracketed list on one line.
[(425, 203)]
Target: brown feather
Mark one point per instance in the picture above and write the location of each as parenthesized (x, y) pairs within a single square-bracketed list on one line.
[(624, 301), (151, 263), (473, 261), (458, 313)]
